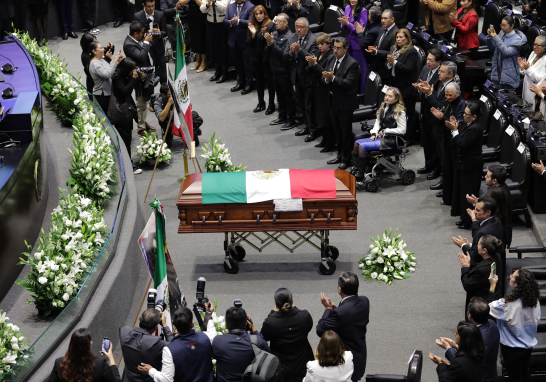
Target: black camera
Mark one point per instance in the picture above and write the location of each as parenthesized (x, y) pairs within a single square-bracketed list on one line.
[(200, 295), (237, 303), (145, 69), (160, 305), (154, 34), (109, 49)]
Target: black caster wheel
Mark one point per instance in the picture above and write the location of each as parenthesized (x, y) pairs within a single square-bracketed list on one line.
[(231, 266), (327, 266), (372, 186), (334, 252), (238, 252), (408, 177)]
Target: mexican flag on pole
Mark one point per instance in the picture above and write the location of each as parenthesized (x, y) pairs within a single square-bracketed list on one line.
[(182, 119), (161, 283)]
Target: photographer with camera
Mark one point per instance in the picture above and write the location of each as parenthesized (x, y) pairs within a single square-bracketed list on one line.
[(163, 106), (137, 47), (233, 351), (139, 345)]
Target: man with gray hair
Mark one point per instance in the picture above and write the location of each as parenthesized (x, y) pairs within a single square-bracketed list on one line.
[(300, 45), (367, 36)]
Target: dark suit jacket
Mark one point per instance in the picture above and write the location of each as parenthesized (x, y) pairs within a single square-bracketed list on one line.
[(7, 9), (103, 371), (425, 111), (492, 227), (157, 44), (508, 228), (233, 353), (349, 321), (383, 50), (139, 54), (368, 38), (298, 63), (462, 369), (137, 345), (287, 333), (406, 73), (344, 87), (475, 279), (437, 100), (467, 146), (168, 7), (237, 32), (387, 4)]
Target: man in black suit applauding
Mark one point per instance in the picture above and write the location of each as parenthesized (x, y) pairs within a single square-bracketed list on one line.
[(348, 320), (154, 22), (368, 36), (300, 45), (342, 79), (383, 44)]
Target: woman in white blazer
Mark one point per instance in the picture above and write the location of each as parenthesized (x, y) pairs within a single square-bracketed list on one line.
[(534, 68), (332, 363), (217, 37)]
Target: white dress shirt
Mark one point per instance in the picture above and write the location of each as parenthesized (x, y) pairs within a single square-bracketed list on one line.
[(340, 373)]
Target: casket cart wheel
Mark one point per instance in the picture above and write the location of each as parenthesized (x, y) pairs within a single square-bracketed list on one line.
[(408, 177), (230, 265), (332, 251), (327, 266), (238, 252), (372, 186)]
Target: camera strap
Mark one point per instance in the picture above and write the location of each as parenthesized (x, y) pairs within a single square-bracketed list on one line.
[(199, 318)]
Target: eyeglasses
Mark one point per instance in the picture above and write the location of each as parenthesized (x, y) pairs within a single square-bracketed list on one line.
[(468, 115), (338, 47), (537, 45)]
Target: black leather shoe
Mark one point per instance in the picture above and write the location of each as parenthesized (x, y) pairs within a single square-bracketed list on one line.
[(301, 132), (311, 137), (460, 222), (72, 35), (65, 36), (117, 24), (289, 125), (437, 186), (423, 170), (336, 160), (464, 226), (215, 77), (433, 175), (270, 110), (440, 194), (327, 149), (222, 79), (321, 144), (343, 166), (236, 88), (279, 121), (247, 90), (260, 107)]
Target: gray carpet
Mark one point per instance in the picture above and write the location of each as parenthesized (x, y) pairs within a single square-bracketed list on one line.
[(405, 316)]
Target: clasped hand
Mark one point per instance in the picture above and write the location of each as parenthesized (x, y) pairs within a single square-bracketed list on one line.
[(452, 124), (359, 28), (523, 64), (423, 87), (452, 16), (437, 360), (464, 260), (328, 75), (234, 20), (311, 60), (446, 343), (459, 241), (537, 90), (437, 113), (390, 59), (372, 50), (295, 47), (326, 302), (343, 20), (268, 37), (539, 168)]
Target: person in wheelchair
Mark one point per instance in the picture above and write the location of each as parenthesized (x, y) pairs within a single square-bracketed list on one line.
[(391, 121)]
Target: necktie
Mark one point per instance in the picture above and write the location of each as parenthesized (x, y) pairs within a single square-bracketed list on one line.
[(239, 6), (336, 66), (429, 76), (381, 38), (301, 41), (151, 22)]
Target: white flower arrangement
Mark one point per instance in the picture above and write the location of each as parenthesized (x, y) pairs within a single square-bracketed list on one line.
[(387, 259), (218, 158), (149, 149), (12, 345), (66, 254)]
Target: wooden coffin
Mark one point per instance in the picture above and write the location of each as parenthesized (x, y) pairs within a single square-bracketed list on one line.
[(257, 217)]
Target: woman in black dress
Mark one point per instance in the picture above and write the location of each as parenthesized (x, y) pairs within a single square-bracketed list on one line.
[(259, 25), (466, 142), (197, 28), (320, 101), (287, 328), (38, 10), (85, 41), (217, 38)]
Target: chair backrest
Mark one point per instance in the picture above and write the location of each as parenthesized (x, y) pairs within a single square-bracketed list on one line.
[(521, 23), (400, 12), (331, 24), (532, 33), (315, 13), (486, 109), (509, 144), (522, 164), (415, 367), (492, 16), (373, 90), (421, 57), (496, 128)]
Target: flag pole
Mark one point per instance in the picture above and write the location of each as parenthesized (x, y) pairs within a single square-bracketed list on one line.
[(161, 148)]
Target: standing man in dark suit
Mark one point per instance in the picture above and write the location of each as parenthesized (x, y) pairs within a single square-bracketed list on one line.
[(238, 15), (66, 18), (342, 79), (348, 320), (368, 36), (382, 46), (88, 10), (170, 9), (154, 21), (138, 345), (7, 13), (478, 314), (137, 48), (300, 45), (429, 74)]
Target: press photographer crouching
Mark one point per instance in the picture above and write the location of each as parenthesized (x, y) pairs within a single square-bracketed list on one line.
[(163, 105), (233, 351), (139, 345)]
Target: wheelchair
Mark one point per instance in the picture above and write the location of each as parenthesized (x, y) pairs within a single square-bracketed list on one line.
[(387, 162)]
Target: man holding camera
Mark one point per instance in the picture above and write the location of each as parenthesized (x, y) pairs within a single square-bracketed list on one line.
[(163, 105), (139, 345), (137, 48), (233, 351), (155, 24)]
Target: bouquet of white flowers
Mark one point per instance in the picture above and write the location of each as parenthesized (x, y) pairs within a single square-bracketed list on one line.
[(387, 259), (12, 346), (149, 149), (217, 157), (66, 254)]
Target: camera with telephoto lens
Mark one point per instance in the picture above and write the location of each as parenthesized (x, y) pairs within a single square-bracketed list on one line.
[(200, 295), (145, 69), (154, 34), (160, 305)]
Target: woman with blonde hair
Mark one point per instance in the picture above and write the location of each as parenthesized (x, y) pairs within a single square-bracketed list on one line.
[(332, 362), (391, 121)]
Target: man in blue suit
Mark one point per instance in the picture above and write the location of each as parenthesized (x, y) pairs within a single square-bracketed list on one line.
[(478, 314), (348, 320), (238, 15)]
